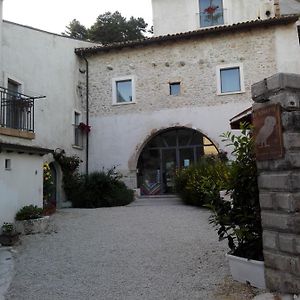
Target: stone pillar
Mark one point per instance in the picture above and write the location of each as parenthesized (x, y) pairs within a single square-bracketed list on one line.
[(279, 179)]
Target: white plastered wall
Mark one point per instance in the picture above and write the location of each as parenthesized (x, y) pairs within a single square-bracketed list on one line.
[(287, 49), (122, 140), (174, 16), (20, 186)]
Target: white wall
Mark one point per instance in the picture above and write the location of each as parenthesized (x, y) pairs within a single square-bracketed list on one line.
[(287, 49), (121, 141), (173, 16), (46, 65), (20, 186)]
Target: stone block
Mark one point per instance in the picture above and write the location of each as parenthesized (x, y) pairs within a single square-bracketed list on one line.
[(266, 200), (273, 279), (275, 181), (287, 243), (286, 99), (291, 120), (284, 202), (274, 220), (290, 284), (262, 90), (294, 159), (282, 262), (270, 239), (292, 141)]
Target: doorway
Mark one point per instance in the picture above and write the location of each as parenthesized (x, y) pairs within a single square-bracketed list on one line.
[(167, 151)]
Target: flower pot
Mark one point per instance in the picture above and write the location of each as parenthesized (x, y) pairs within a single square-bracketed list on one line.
[(9, 239), (247, 270), (33, 226)]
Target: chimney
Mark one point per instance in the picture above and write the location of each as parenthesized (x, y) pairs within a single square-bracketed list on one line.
[(277, 8)]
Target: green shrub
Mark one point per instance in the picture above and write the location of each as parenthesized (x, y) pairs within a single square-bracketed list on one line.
[(99, 189), (200, 183), (29, 212), (240, 221)]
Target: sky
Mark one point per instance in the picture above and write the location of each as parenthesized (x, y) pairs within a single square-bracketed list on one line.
[(54, 15)]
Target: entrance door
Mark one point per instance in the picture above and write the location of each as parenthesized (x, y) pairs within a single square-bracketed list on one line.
[(169, 164), (168, 150)]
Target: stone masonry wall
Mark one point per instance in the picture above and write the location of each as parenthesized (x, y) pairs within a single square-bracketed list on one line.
[(279, 184), (192, 62)]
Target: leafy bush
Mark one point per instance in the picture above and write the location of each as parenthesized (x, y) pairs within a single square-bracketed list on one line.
[(29, 212), (200, 183), (240, 221), (99, 189)]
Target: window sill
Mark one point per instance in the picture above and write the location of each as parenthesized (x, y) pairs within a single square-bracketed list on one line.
[(231, 93), (17, 133), (77, 147), (123, 103)]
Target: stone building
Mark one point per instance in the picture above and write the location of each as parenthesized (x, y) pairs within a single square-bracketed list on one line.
[(161, 103), (153, 105)]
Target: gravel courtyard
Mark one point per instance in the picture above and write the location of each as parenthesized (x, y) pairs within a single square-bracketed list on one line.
[(151, 249)]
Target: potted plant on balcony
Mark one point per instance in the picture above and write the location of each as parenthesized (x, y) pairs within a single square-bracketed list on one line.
[(239, 220), (9, 235)]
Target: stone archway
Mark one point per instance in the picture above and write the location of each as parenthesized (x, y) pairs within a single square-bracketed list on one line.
[(164, 152)]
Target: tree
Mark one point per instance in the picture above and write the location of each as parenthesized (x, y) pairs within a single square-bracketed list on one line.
[(76, 30), (109, 28)]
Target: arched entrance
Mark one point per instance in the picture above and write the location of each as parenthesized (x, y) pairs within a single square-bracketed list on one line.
[(169, 149)]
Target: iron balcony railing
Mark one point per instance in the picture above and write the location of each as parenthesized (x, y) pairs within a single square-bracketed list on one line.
[(16, 110)]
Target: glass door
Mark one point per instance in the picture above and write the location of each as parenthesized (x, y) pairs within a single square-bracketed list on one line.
[(169, 163)]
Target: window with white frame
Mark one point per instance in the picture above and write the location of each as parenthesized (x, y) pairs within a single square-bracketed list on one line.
[(123, 90), (211, 13), (230, 79)]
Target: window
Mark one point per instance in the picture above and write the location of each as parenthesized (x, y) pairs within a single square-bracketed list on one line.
[(230, 79), (7, 164), (298, 29), (77, 133), (123, 90), (174, 88), (211, 13), (15, 113)]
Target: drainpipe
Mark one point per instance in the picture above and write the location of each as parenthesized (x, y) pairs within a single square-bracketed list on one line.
[(87, 112)]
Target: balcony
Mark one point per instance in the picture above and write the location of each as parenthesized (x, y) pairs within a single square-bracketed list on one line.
[(16, 114)]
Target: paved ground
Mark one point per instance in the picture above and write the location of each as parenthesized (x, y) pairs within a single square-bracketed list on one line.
[(152, 249)]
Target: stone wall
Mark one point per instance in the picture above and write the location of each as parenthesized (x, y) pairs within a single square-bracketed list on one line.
[(192, 62), (279, 184)]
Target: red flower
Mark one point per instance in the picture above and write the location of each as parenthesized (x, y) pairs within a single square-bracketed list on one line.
[(84, 127), (211, 9)]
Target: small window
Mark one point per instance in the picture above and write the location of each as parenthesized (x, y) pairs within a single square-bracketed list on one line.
[(175, 88), (123, 90), (298, 28), (7, 164), (230, 79), (77, 133)]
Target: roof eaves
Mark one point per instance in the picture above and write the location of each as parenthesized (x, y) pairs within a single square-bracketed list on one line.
[(188, 35)]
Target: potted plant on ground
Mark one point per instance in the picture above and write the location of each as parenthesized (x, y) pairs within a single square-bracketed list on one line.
[(239, 221), (9, 235), (30, 220)]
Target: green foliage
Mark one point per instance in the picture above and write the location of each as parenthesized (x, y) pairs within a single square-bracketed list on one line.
[(109, 28), (100, 189), (200, 183), (76, 30), (7, 228), (240, 221), (29, 212)]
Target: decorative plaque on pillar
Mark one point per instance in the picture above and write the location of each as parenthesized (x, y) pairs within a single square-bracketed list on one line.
[(268, 132)]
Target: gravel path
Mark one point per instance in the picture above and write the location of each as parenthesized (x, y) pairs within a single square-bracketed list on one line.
[(152, 249)]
